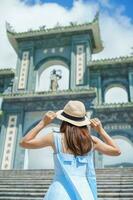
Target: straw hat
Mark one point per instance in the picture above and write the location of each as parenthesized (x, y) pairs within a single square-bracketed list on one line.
[(74, 112)]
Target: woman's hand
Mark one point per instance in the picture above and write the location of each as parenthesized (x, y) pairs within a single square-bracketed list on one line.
[(29, 140), (109, 146), (96, 124), (48, 118)]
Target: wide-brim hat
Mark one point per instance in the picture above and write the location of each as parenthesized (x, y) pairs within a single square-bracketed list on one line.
[(74, 113)]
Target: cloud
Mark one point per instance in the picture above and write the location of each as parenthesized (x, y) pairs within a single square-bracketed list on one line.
[(116, 32), (116, 29), (105, 3)]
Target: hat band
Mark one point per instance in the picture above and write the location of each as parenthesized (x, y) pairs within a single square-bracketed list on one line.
[(73, 118)]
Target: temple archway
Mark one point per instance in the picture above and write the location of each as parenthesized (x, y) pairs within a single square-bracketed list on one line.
[(46, 72), (123, 160), (40, 158), (116, 94)]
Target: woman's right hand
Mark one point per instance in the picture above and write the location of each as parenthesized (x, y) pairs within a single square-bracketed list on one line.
[(48, 117), (96, 124)]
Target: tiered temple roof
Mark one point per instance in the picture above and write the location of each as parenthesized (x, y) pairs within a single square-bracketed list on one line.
[(90, 28), (111, 61), (7, 71)]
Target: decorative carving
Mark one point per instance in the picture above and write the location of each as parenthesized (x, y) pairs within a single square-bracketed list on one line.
[(96, 16), (55, 76), (42, 27), (9, 142), (117, 116), (45, 51), (61, 49), (9, 27), (53, 50), (30, 30), (79, 64), (58, 25), (24, 70), (73, 23), (117, 126)]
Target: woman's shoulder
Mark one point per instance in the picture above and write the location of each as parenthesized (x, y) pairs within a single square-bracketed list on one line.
[(55, 140)]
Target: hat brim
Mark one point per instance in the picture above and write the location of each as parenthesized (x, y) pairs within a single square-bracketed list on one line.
[(76, 123)]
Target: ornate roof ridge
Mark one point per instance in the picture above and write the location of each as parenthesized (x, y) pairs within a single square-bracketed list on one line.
[(112, 60), (92, 27), (48, 30), (114, 105), (7, 70), (57, 27)]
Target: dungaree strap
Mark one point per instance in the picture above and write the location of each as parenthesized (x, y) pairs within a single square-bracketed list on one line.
[(92, 148), (57, 141)]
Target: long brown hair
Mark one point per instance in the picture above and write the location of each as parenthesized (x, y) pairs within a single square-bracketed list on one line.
[(78, 139)]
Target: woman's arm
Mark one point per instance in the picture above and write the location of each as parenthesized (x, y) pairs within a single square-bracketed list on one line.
[(30, 141), (109, 146)]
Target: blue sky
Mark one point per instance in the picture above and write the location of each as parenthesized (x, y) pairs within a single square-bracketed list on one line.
[(116, 22), (65, 3), (128, 4)]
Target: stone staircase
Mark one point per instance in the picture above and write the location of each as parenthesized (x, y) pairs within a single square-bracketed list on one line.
[(113, 184)]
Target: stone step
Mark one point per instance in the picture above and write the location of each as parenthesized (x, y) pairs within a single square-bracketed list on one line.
[(21, 198), (22, 194), (118, 195), (45, 185), (115, 198), (47, 171), (42, 194), (107, 190), (38, 198), (30, 176), (112, 184), (105, 171), (50, 180), (51, 175)]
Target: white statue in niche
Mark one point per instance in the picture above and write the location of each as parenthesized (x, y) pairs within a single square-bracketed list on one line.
[(55, 76)]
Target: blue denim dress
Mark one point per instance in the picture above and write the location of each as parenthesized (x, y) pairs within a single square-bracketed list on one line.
[(74, 178)]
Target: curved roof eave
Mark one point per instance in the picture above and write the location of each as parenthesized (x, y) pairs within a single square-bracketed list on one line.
[(111, 61), (97, 37), (12, 41), (94, 26), (11, 37)]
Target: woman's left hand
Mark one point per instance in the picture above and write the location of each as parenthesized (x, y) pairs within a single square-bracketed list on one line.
[(48, 117), (96, 124)]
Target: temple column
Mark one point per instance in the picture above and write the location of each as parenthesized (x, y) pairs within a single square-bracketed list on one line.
[(96, 82), (80, 56), (130, 78), (99, 88), (11, 154), (8, 136)]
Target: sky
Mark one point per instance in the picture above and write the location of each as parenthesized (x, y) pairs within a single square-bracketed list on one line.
[(116, 22), (128, 4), (116, 26)]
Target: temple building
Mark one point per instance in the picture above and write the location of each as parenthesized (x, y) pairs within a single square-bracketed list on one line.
[(53, 66)]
